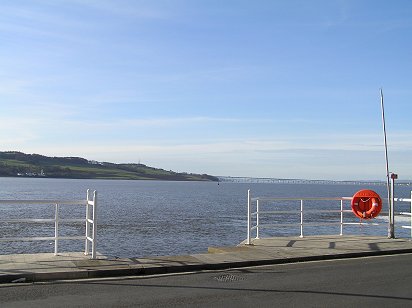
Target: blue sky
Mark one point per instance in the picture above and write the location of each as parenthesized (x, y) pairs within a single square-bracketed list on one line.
[(241, 88)]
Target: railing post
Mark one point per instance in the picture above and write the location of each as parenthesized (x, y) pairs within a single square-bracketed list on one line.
[(341, 217), (411, 214), (249, 216), (86, 244), (56, 229), (301, 218), (257, 219), (94, 225)]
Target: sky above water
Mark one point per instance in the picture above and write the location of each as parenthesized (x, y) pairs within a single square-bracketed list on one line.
[(286, 89)]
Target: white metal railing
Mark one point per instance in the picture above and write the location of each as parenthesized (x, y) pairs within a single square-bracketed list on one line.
[(90, 221), (254, 214), (406, 213)]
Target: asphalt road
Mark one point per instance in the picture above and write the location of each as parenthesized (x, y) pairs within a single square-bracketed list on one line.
[(367, 282)]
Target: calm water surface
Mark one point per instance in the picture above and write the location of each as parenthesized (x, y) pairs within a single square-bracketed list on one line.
[(147, 218)]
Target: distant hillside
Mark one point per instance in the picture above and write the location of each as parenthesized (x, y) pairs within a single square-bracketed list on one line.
[(33, 165)]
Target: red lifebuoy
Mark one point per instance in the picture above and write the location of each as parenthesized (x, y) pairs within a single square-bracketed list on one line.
[(366, 204)]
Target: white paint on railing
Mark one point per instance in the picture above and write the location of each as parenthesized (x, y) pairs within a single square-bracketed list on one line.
[(341, 217), (301, 218), (249, 216), (56, 229), (257, 219), (94, 234), (302, 211), (57, 220), (65, 202), (406, 213)]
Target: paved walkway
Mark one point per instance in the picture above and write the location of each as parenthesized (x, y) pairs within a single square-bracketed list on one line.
[(46, 266)]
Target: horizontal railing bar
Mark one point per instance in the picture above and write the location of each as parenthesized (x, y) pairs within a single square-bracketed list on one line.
[(403, 199), (405, 213), (314, 224), (362, 223), (303, 198), (44, 238), (72, 220), (305, 211), (318, 211), (79, 237), (279, 212), (278, 225), (29, 220), (65, 202), (10, 239), (406, 227), (42, 220), (326, 211)]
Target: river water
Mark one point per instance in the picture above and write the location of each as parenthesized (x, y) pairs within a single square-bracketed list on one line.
[(148, 218)]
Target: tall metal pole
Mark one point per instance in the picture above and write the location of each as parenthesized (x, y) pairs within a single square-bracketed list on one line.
[(390, 226)]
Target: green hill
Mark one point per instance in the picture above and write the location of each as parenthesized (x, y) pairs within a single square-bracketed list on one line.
[(33, 165)]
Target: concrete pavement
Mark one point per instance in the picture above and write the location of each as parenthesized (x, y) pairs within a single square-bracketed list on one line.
[(46, 266)]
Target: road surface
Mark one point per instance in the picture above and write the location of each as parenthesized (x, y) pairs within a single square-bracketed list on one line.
[(384, 281)]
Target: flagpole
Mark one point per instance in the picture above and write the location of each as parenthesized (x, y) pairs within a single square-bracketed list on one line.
[(390, 225)]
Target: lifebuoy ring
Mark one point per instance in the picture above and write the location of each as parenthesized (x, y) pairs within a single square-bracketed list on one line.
[(366, 204)]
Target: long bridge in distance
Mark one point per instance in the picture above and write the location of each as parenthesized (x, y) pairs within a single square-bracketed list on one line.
[(234, 179)]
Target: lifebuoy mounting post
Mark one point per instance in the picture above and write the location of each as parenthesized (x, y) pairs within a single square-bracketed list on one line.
[(391, 202)]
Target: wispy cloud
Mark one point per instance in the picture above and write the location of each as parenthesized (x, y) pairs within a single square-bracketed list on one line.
[(226, 146), (41, 22), (63, 117), (124, 8), (177, 121), (17, 132), (13, 85)]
